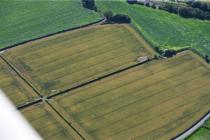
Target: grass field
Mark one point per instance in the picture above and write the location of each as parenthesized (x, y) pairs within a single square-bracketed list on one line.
[(13, 86), (162, 28), (67, 60), (207, 123), (200, 134), (25, 20), (157, 100), (203, 133), (48, 124)]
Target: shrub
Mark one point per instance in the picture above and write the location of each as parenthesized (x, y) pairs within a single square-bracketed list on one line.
[(108, 15), (207, 59), (90, 4), (131, 1), (120, 18), (169, 53)]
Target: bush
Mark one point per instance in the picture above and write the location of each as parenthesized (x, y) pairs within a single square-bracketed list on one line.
[(171, 8), (204, 6), (169, 53), (207, 59), (108, 15), (132, 1), (90, 4), (189, 12), (120, 18)]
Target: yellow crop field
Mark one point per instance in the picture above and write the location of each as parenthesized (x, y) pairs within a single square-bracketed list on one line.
[(63, 61), (14, 87), (48, 124), (156, 100)]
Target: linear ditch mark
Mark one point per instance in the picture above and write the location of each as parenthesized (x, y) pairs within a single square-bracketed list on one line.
[(29, 104), (98, 79), (19, 74), (66, 121), (52, 34)]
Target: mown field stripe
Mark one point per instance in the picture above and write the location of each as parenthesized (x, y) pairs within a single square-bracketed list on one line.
[(155, 94), (81, 135), (19, 74), (137, 100), (97, 79), (140, 124), (126, 82)]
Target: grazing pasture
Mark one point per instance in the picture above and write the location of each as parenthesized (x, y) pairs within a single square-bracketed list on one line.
[(66, 60), (25, 20), (163, 29), (203, 133), (48, 123), (13, 86), (200, 134), (156, 100)]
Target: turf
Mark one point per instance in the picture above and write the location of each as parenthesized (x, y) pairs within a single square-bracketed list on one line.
[(25, 20), (48, 124), (200, 134), (207, 123), (67, 60), (157, 100), (162, 28), (14, 87)]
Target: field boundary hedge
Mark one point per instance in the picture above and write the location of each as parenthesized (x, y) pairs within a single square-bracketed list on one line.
[(51, 34)]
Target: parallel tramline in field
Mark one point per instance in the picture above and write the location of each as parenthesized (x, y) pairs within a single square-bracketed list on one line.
[(66, 60), (157, 100), (14, 87), (49, 125)]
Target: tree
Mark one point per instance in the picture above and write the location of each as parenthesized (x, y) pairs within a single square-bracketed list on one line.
[(207, 59), (90, 4), (108, 15), (131, 1), (120, 18), (169, 53), (204, 6)]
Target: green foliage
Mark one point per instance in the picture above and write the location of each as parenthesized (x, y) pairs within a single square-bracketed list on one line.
[(163, 29), (25, 20), (200, 134), (90, 4), (108, 14)]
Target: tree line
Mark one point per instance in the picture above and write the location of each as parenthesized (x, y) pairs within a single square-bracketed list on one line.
[(191, 9)]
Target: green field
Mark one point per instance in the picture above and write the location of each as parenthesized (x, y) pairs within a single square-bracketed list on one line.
[(66, 60), (48, 124), (25, 20), (15, 88), (203, 133), (162, 28), (157, 100), (207, 123), (200, 134)]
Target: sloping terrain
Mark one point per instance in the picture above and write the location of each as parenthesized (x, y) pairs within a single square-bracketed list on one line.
[(26, 20), (163, 29), (67, 60), (157, 100)]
